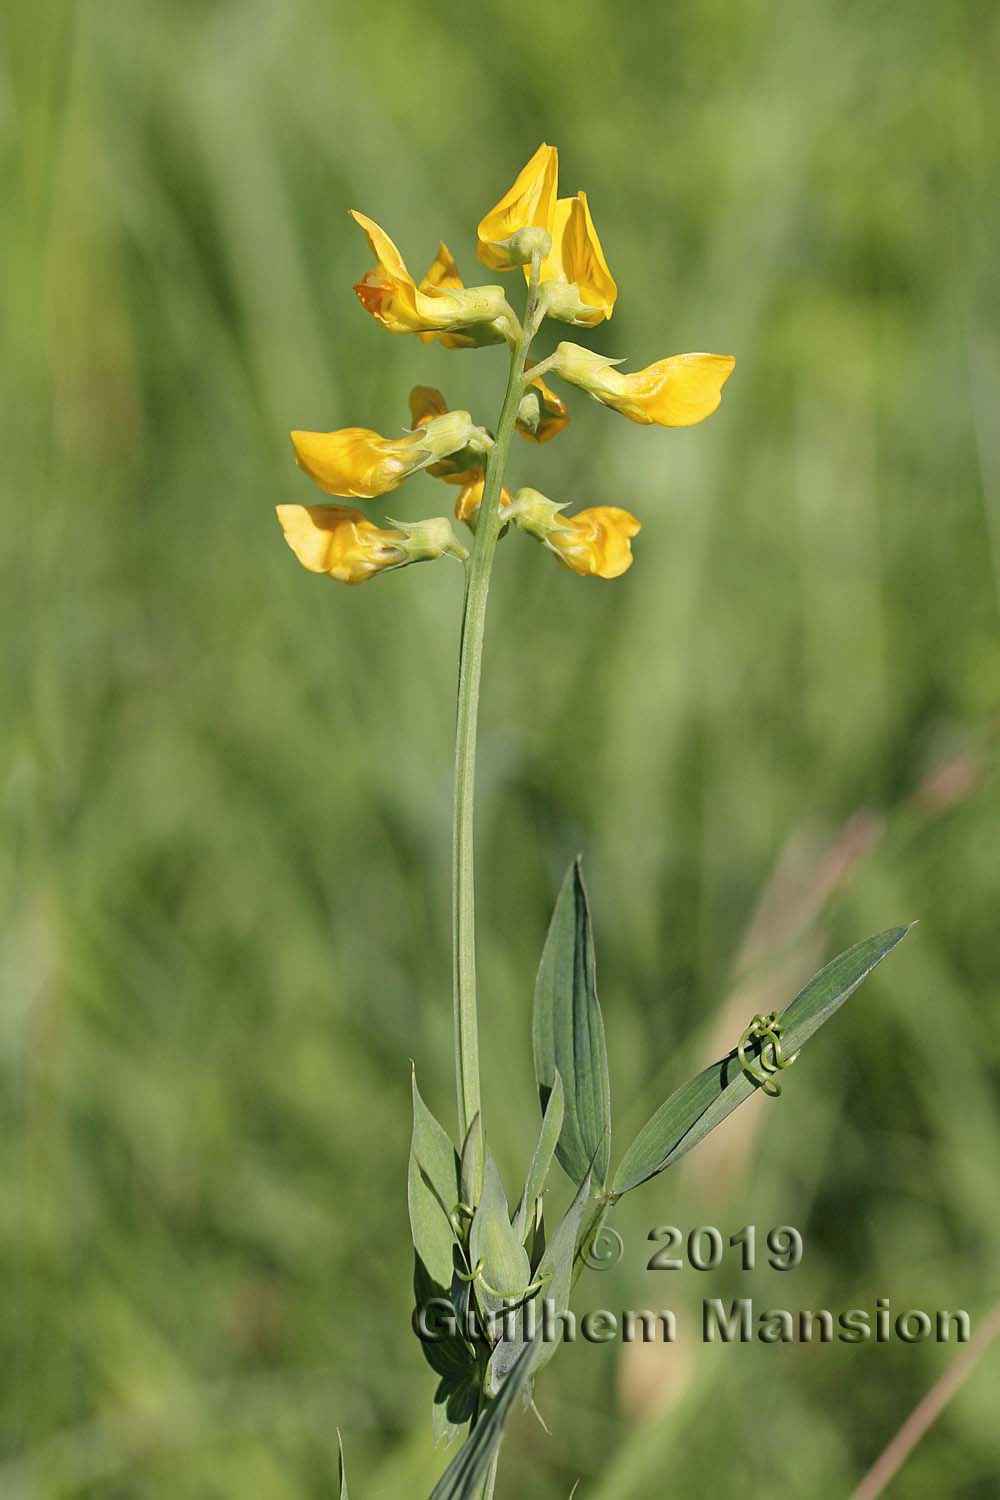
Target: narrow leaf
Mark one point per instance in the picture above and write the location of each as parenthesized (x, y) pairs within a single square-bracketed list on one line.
[(541, 1160), (432, 1191), (464, 1476), (704, 1102), (556, 1268), (568, 1034)]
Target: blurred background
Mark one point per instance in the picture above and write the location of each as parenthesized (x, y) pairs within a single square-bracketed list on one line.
[(226, 783)]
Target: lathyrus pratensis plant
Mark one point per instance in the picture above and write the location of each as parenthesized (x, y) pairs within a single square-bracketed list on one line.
[(482, 1272)]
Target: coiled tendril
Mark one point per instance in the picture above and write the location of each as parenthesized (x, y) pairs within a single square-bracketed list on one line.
[(768, 1058)]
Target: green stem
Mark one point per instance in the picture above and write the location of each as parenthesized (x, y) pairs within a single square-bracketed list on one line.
[(469, 676)]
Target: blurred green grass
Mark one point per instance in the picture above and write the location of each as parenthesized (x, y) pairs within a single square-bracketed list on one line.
[(226, 784)]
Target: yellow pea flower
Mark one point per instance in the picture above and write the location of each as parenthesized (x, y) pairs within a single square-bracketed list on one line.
[(360, 464), (674, 392), (341, 542), (577, 286), (595, 543), (521, 223), (391, 295)]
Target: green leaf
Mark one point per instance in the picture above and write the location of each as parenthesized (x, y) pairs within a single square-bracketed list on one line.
[(704, 1102), (556, 1267), (568, 1034), (464, 1476), (342, 1467), (432, 1191), (541, 1160), (495, 1248), (455, 1403)]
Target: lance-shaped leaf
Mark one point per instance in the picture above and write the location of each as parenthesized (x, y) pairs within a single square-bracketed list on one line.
[(568, 1034), (541, 1159), (432, 1191), (704, 1102), (464, 1476)]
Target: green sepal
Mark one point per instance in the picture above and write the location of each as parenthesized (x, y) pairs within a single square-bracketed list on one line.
[(568, 1035), (541, 1160), (695, 1109), (432, 1192)]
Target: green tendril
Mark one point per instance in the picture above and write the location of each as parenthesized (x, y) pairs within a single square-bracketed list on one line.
[(768, 1059)]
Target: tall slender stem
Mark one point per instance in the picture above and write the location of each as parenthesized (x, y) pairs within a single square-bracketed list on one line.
[(469, 676)]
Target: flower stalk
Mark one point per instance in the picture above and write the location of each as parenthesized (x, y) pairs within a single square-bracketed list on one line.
[(480, 567)]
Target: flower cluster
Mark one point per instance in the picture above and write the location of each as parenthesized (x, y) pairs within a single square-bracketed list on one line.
[(555, 242)]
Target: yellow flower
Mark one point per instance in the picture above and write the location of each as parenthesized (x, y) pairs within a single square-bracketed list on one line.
[(340, 541), (542, 414), (577, 285), (390, 294), (674, 392), (360, 464), (595, 543), (576, 260), (529, 205)]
